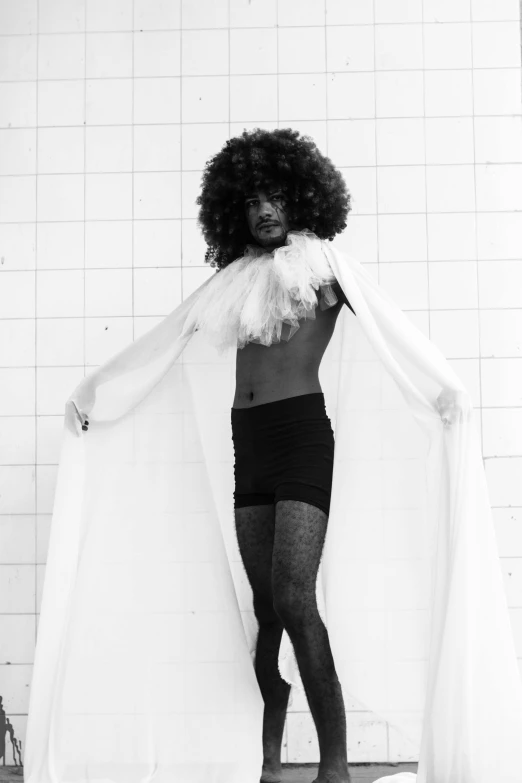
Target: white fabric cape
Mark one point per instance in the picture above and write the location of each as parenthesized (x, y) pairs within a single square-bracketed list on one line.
[(144, 658)]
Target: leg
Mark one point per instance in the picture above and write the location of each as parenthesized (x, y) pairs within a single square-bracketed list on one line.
[(255, 535), (300, 531)]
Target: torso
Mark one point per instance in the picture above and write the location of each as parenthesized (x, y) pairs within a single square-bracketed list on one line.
[(288, 368)]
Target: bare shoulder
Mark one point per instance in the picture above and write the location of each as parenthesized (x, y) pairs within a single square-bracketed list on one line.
[(336, 286)]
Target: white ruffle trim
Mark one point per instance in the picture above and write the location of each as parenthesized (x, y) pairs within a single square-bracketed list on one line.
[(251, 298)]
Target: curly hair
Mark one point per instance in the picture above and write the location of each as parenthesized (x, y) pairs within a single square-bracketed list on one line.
[(316, 193)]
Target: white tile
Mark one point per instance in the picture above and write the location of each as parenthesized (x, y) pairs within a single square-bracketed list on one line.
[(194, 246), (503, 481), (352, 143), (109, 55), (446, 11), (497, 90), (108, 244), (399, 93), (499, 187), (61, 103), (501, 333), (455, 332), (401, 189), (108, 149), (401, 747), (200, 142), (17, 436), (496, 44), (17, 241), (156, 14), (400, 141), (60, 197), (104, 337), (157, 243), (292, 89), (157, 148), (17, 533), (204, 52), (407, 284), (157, 101), (18, 199), (498, 139), (308, 12), (498, 235), (60, 150), (18, 151), (61, 56), (49, 439), (451, 188), (484, 10), (253, 51), (500, 283), (361, 238), (17, 104), (205, 98), (447, 45), (515, 615), (114, 16), (109, 101), (157, 195), (109, 196), (362, 186), (19, 19), (502, 382), (340, 12), (350, 95), (40, 578), (108, 292), (402, 238), (157, 53), (15, 684), (398, 11), (451, 237), (251, 98), (512, 576), (204, 13), (193, 278), (60, 16), (350, 48), (453, 285), (398, 46), (508, 531), (156, 291), (17, 294), (45, 489), (303, 746), (17, 391), (60, 245), (18, 489), (449, 93), (468, 370), (43, 532), (18, 58), (17, 639), (449, 140), (502, 432), (54, 385), (60, 294), (244, 13), (17, 338), (59, 341), (301, 50)]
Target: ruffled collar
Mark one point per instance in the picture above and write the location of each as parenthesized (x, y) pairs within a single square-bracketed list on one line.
[(251, 299)]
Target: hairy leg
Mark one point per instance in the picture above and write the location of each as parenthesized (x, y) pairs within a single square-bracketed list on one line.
[(255, 535), (300, 531)]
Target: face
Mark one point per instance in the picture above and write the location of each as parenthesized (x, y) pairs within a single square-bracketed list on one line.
[(267, 218)]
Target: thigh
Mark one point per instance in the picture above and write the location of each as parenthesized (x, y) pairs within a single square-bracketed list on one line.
[(255, 536), (300, 532)]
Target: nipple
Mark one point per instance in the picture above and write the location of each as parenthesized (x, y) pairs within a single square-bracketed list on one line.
[(251, 396)]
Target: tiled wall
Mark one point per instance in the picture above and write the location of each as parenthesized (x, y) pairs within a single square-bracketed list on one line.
[(109, 110)]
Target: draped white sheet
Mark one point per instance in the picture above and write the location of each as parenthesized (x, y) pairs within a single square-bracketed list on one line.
[(143, 666)]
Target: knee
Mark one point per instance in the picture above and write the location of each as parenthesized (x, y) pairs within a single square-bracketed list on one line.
[(293, 609), (264, 610)]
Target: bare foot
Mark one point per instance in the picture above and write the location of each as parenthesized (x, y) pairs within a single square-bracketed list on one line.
[(333, 777)]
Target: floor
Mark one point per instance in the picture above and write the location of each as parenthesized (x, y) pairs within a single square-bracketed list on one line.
[(292, 773)]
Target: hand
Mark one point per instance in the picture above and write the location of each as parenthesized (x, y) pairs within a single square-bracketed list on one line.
[(452, 405), (84, 421)]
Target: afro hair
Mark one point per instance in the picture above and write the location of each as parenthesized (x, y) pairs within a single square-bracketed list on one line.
[(315, 191)]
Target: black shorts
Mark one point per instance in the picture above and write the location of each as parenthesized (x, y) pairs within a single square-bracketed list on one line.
[(284, 450)]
